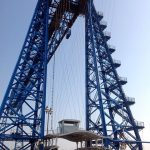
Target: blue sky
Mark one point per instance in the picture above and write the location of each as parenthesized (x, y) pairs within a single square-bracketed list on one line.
[(129, 24)]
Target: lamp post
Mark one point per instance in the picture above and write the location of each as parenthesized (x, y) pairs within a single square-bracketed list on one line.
[(48, 112)]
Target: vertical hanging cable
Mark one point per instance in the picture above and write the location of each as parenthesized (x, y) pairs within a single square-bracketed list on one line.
[(52, 101)]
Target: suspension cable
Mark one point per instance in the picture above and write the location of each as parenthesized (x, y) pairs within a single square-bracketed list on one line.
[(52, 98)]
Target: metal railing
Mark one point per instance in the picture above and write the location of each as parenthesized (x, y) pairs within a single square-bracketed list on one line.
[(103, 22), (139, 123), (111, 46), (124, 79), (108, 34), (99, 13), (116, 61), (130, 99)]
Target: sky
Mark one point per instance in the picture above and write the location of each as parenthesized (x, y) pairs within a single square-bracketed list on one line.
[(129, 24)]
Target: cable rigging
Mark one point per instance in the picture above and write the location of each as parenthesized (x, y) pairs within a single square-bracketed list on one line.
[(52, 98)]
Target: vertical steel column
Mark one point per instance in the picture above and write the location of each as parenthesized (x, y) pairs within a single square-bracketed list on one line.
[(92, 68), (107, 107)]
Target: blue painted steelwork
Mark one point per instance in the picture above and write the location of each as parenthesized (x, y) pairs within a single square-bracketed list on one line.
[(107, 108), (22, 115)]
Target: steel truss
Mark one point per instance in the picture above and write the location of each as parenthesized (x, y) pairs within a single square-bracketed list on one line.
[(107, 107), (22, 113)]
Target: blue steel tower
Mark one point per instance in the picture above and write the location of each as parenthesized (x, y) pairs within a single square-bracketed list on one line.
[(22, 112), (107, 107)]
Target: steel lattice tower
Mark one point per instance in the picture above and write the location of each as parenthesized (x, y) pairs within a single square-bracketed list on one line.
[(22, 113)]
